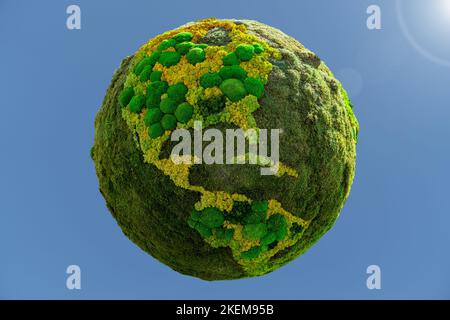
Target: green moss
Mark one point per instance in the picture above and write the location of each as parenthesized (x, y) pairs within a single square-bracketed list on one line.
[(184, 112), (240, 210), (154, 57), (211, 79), (155, 76), (195, 215), (201, 45), (233, 89), (254, 231), (230, 59), (196, 55), (153, 100), (166, 44), (212, 105), (136, 103), (125, 96), (168, 59), (268, 238), (277, 224), (254, 217), (155, 130), (137, 193), (260, 206), (184, 47), (204, 231), (168, 105), (245, 52), (258, 48), (177, 92), (252, 253), (145, 74), (254, 86), (141, 64), (229, 72), (212, 217), (296, 228), (224, 235), (152, 116), (157, 87), (183, 36), (168, 122)]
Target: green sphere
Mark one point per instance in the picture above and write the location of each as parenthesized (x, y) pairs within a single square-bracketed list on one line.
[(224, 221)]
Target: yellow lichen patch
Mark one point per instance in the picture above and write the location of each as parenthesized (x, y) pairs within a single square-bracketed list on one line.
[(240, 112), (285, 169), (219, 199), (275, 207), (178, 173), (258, 67), (212, 92)]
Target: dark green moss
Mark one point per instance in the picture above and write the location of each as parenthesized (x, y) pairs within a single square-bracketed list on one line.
[(155, 130), (125, 96), (224, 235), (184, 112), (211, 79), (254, 231), (177, 92), (154, 57), (260, 206), (155, 76), (268, 238), (153, 100), (254, 86), (168, 122), (152, 116), (296, 228), (136, 103), (212, 217), (252, 253), (240, 210), (277, 224), (168, 105), (147, 61), (212, 105), (157, 87), (204, 231), (145, 74)]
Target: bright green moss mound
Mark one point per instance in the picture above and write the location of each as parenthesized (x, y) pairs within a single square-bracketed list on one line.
[(224, 221), (234, 89), (196, 55)]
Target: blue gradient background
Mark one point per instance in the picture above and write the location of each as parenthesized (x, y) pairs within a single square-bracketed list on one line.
[(52, 215)]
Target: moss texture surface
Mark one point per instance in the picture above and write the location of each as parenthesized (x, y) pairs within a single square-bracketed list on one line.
[(224, 221)]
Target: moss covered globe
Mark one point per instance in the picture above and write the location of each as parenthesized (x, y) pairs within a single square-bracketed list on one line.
[(224, 221)]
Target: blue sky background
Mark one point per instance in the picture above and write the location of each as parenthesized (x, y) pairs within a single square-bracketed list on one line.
[(52, 215)]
